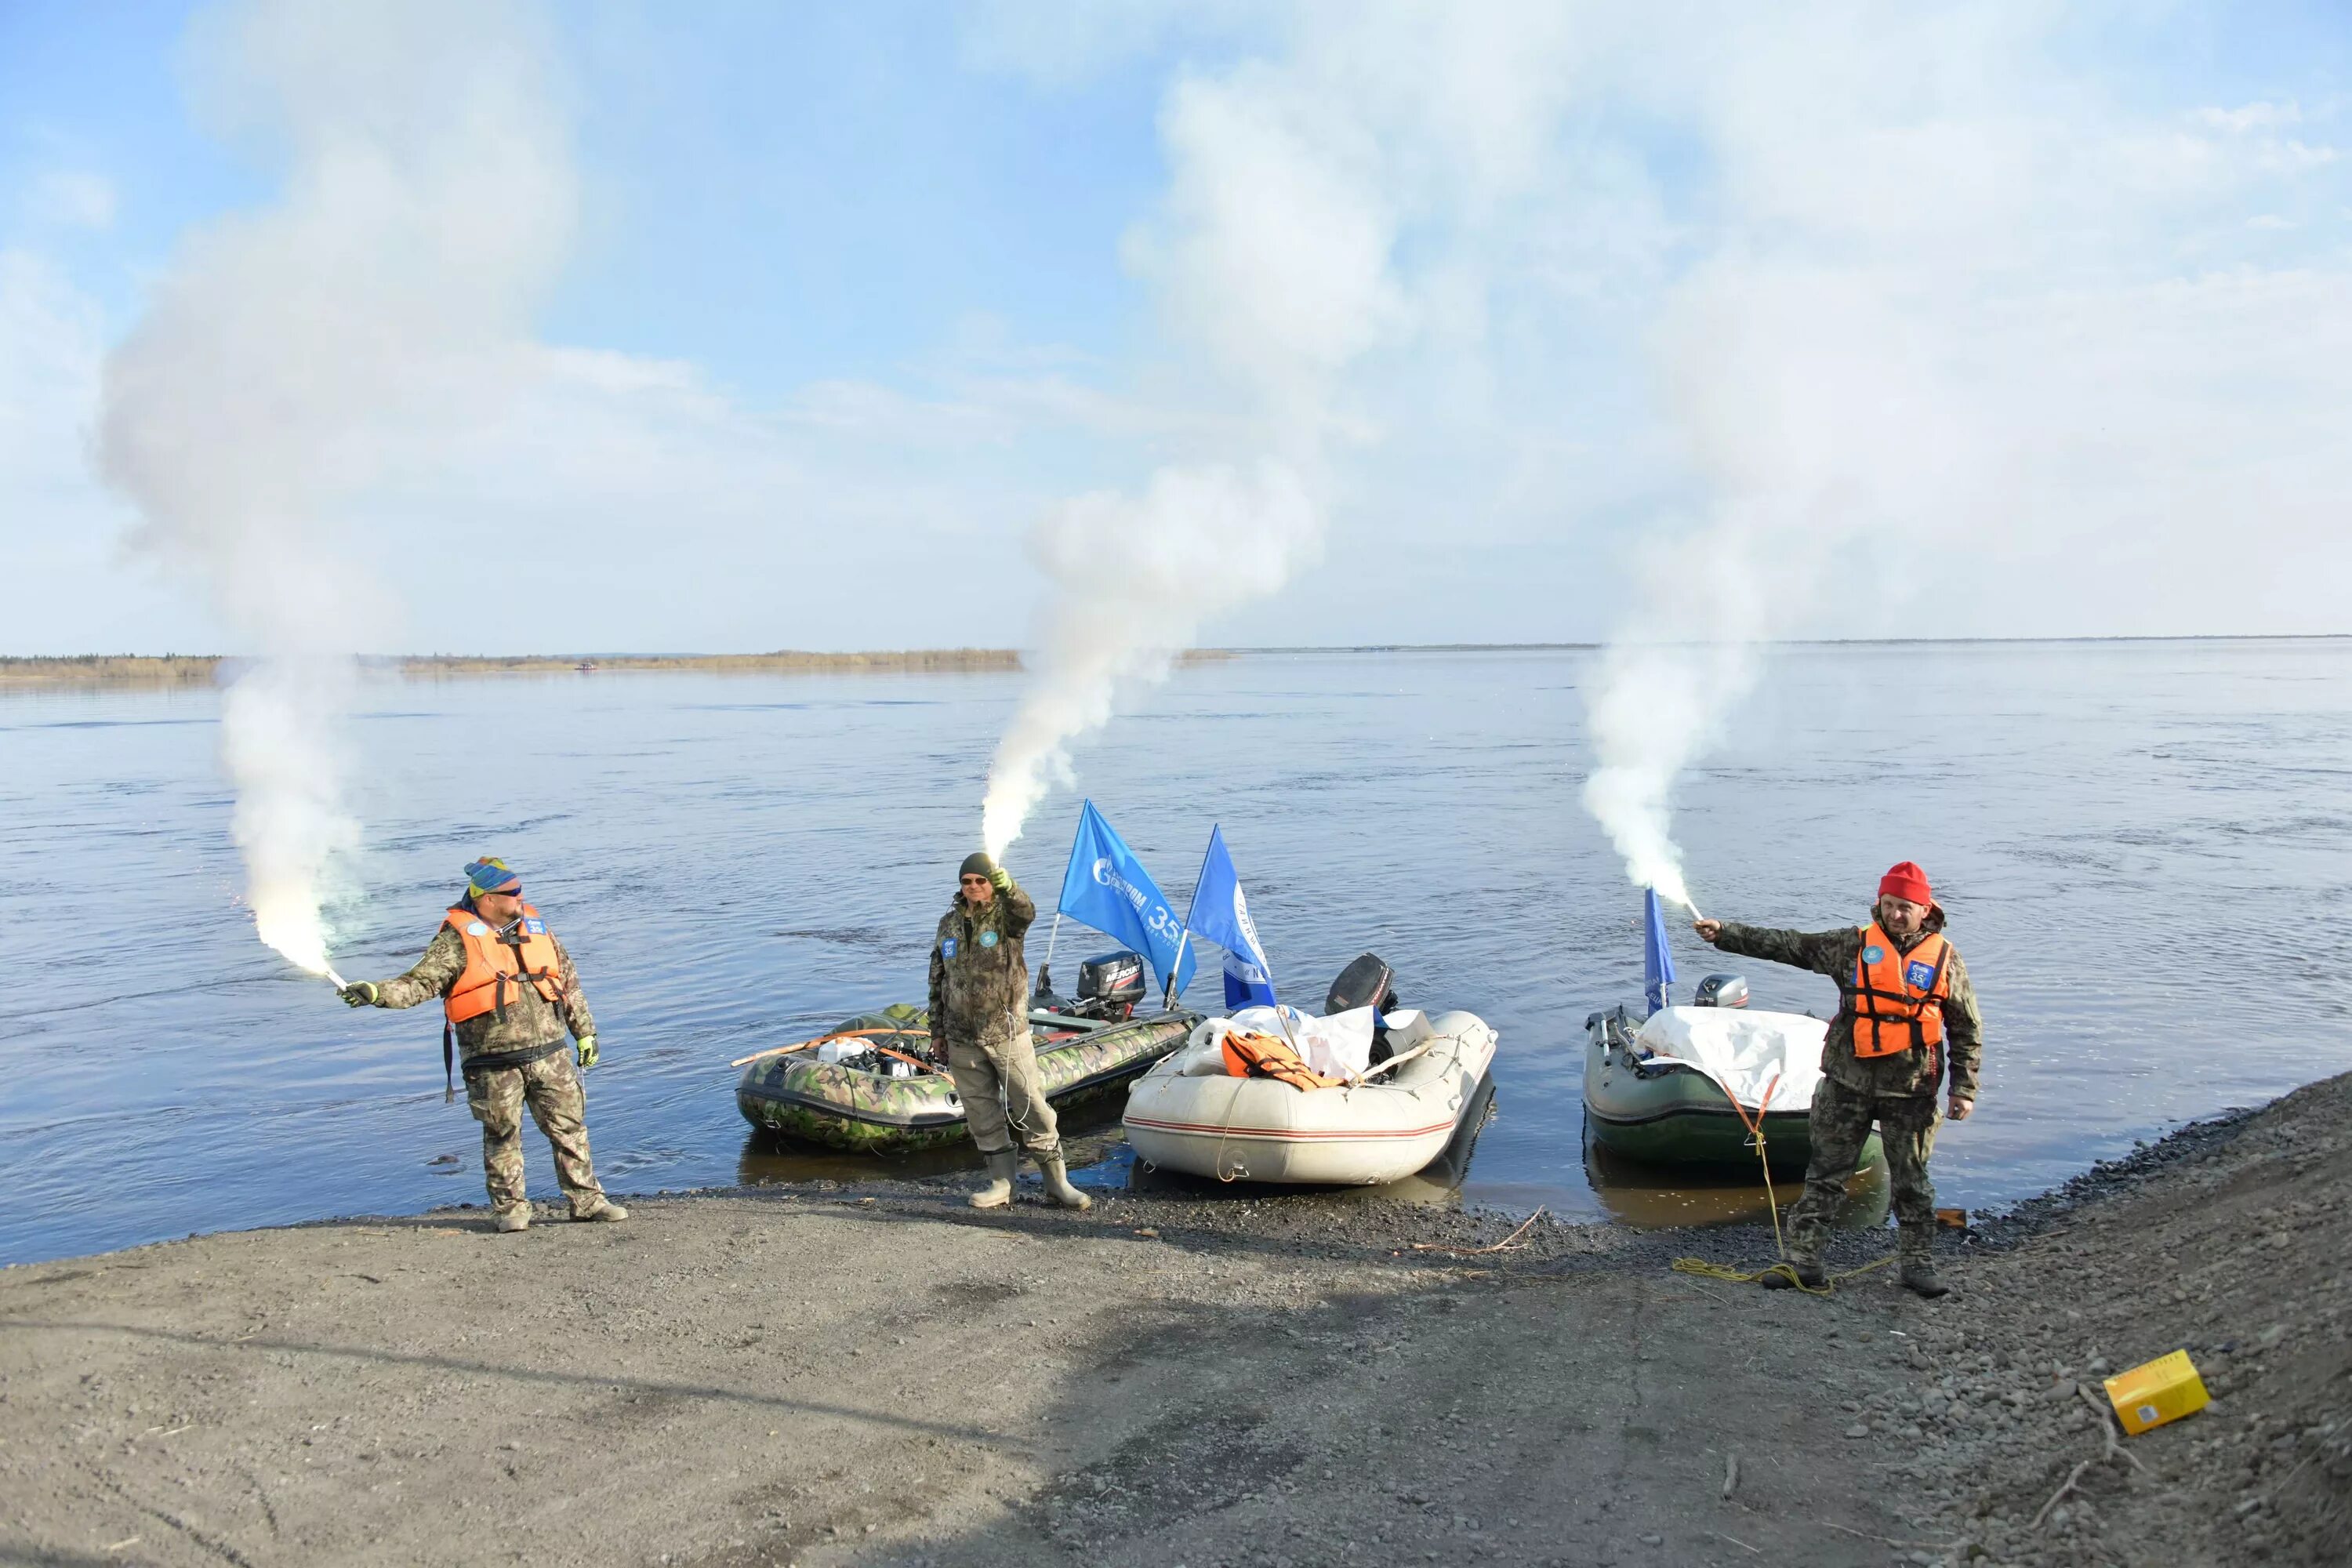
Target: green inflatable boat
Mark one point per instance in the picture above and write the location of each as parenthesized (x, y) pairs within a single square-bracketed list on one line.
[(1642, 1103), (863, 1086)]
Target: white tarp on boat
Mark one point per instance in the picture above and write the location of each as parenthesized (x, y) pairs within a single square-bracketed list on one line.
[(1337, 1046), (1749, 1053)]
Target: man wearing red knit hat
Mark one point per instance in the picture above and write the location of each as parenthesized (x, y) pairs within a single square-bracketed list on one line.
[(1905, 1011)]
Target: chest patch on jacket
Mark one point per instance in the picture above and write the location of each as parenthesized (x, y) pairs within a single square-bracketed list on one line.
[(1872, 954), (988, 938), (534, 925), (1920, 975), (947, 948), (476, 928)]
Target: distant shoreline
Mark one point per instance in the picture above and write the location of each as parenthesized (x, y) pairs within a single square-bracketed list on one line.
[(203, 669), (179, 670)]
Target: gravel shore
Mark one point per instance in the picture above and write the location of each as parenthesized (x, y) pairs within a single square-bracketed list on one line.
[(876, 1374)]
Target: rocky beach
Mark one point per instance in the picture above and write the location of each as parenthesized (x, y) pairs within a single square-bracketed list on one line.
[(871, 1375)]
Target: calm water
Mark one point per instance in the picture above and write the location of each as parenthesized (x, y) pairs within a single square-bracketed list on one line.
[(2146, 850)]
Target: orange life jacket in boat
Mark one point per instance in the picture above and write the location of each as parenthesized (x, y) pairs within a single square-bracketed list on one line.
[(1899, 997), (496, 970), (1250, 1054)]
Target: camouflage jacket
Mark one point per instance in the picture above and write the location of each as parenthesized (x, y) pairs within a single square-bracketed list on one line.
[(980, 978), (528, 1022), (1833, 953)]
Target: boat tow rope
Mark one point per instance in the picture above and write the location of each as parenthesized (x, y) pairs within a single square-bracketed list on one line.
[(1700, 1265)]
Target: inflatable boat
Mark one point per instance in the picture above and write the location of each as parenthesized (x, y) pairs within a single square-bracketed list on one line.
[(1688, 1086), (866, 1084), (1190, 1113)]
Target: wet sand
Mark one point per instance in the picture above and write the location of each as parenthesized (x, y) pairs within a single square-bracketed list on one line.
[(876, 1374)]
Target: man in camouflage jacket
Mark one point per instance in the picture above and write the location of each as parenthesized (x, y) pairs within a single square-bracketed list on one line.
[(980, 1027), (1896, 1091), (513, 1056)]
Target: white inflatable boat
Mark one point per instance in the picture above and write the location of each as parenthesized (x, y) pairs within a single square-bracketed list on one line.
[(1188, 1114)]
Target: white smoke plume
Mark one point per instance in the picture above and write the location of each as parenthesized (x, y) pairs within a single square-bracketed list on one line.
[(290, 356), (1199, 542), (1274, 259), (1963, 324), (1271, 251)]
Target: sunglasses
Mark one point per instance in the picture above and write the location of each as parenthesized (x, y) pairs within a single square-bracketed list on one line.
[(969, 882)]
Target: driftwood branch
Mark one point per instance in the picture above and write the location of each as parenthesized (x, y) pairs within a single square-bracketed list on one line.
[(1507, 1243), (2110, 1448)]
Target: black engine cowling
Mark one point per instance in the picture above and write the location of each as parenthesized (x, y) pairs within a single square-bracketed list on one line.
[(1367, 983), (1113, 980)]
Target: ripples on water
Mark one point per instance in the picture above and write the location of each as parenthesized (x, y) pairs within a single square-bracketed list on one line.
[(2146, 849)]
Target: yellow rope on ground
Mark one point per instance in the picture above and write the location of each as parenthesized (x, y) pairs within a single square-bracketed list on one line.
[(1723, 1271), (1700, 1265)]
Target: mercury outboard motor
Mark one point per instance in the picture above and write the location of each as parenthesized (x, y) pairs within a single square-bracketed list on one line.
[(1110, 984), (1721, 991), (1367, 983)]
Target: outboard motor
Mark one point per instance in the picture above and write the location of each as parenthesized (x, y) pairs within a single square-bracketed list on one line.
[(1721, 991), (1367, 983), (1110, 984)]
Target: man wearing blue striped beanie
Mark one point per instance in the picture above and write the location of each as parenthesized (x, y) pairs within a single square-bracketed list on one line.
[(508, 993)]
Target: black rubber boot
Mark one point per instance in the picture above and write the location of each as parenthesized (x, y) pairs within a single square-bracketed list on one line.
[(1811, 1276)]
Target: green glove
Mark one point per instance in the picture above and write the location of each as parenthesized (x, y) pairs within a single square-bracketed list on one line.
[(587, 1052), (363, 994), (1001, 878)]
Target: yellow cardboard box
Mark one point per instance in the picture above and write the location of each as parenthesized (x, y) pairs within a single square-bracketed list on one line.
[(2165, 1389)]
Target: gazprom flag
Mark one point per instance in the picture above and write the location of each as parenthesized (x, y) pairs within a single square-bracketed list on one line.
[(1220, 914), (1657, 961), (1107, 887)]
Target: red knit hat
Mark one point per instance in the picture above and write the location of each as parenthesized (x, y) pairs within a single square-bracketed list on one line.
[(1905, 880)]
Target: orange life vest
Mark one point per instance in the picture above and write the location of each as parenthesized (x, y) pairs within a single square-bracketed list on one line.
[(494, 971), (1899, 997), (1250, 1054)]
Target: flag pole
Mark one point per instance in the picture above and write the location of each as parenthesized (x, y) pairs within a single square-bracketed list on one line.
[(1176, 967), (1186, 934)]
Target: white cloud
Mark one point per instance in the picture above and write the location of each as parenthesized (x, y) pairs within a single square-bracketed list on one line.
[(1624, 265), (2256, 116), (67, 198)]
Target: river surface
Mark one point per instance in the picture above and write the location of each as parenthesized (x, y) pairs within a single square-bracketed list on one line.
[(2146, 850)]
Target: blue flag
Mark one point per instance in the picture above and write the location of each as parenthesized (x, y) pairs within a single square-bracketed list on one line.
[(1657, 961), (1107, 887), (1220, 914)]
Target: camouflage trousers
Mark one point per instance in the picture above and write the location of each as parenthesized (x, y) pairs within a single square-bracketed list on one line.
[(551, 1089), (1840, 1125), (997, 1081)]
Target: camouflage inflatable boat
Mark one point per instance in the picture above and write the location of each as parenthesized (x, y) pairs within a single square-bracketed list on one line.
[(864, 1086)]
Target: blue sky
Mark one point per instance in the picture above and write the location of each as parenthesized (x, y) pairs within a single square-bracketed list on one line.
[(846, 300)]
